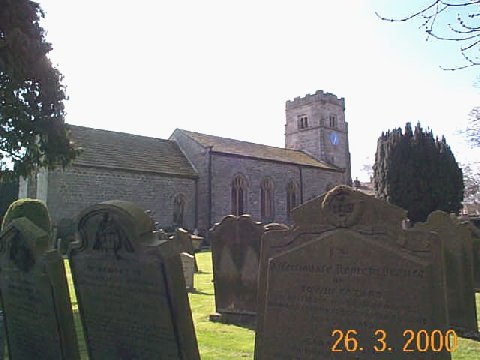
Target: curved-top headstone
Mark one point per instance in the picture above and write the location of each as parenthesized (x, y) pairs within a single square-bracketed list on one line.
[(33, 209), (235, 243), (347, 264), (34, 292), (130, 287)]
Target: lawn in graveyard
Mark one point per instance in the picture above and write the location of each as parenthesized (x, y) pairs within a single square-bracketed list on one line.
[(228, 342)]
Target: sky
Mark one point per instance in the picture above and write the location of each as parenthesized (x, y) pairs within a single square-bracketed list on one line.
[(226, 68)]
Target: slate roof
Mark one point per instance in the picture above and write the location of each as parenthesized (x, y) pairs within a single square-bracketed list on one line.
[(258, 151), (116, 150)]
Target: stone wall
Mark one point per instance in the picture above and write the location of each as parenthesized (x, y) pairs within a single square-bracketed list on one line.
[(76, 188), (317, 181), (199, 158), (225, 167)]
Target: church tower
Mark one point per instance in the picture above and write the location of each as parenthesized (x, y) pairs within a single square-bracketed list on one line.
[(316, 125)]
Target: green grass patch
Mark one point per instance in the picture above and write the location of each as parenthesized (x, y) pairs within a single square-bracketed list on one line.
[(228, 342), (215, 340)]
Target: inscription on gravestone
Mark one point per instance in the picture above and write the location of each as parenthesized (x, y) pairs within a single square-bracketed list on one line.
[(36, 304), (348, 265), (130, 287)]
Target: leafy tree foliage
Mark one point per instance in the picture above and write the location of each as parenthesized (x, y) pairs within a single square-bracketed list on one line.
[(32, 128), (417, 172), (450, 20)]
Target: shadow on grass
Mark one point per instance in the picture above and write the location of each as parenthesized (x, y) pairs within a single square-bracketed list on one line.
[(202, 272), (196, 292)]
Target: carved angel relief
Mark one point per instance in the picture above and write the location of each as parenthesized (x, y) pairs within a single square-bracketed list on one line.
[(110, 237)]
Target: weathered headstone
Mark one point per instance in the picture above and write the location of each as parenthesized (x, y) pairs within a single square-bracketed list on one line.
[(65, 234), (184, 243), (196, 242), (235, 243), (130, 287), (347, 264), (36, 304), (457, 242), (188, 265), (474, 227)]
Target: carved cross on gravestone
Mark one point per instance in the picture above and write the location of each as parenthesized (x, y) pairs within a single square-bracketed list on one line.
[(347, 264)]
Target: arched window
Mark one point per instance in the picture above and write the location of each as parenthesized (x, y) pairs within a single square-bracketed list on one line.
[(292, 196), (302, 121), (266, 199), (239, 187), (333, 121), (178, 210)]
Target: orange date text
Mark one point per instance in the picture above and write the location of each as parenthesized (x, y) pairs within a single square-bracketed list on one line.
[(413, 341)]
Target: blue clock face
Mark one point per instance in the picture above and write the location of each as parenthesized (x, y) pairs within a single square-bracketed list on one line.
[(334, 138)]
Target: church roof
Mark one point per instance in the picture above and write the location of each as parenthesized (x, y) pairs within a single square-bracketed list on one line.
[(117, 150), (258, 151)]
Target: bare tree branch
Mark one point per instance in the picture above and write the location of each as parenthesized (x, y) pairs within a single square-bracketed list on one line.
[(463, 29)]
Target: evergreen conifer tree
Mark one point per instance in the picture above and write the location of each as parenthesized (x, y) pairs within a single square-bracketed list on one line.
[(417, 172)]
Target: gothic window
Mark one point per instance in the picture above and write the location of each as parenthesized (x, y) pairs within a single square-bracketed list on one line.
[(292, 196), (302, 121), (239, 187), (333, 121), (178, 210), (266, 199)]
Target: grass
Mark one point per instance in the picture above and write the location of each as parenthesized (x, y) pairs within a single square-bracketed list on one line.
[(228, 342)]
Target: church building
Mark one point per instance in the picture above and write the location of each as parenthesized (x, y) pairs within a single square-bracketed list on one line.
[(193, 180)]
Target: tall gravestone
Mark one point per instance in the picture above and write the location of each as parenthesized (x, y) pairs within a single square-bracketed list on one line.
[(235, 243), (457, 242), (130, 287), (36, 304), (347, 264)]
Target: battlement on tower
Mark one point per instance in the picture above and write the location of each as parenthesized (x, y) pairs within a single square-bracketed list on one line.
[(319, 96)]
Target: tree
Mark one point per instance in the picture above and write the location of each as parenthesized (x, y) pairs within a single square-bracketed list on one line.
[(32, 128), (471, 179), (417, 172), (472, 132), (450, 20)]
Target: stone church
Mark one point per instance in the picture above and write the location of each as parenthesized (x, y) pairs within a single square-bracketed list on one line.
[(193, 180)]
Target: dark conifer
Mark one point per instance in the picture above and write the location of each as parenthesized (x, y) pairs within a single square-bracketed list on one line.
[(417, 172)]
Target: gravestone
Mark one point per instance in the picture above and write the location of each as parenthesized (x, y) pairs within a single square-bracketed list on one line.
[(235, 243), (130, 287), (65, 234), (33, 286), (347, 264), (184, 243), (457, 242), (188, 265), (474, 227)]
